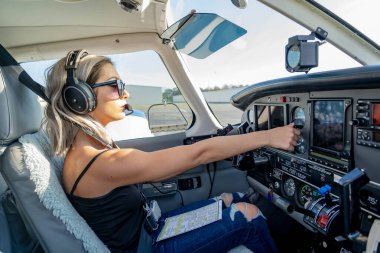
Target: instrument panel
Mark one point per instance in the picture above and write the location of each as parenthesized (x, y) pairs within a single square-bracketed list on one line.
[(330, 184), (340, 131)]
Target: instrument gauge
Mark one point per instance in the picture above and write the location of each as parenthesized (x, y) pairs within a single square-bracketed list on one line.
[(289, 187), (305, 194), (299, 116)]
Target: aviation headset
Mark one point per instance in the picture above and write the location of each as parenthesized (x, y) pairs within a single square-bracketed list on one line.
[(78, 96)]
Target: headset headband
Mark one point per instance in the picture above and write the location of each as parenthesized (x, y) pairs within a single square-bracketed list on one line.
[(72, 60)]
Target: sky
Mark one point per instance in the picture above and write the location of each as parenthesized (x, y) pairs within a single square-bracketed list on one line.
[(257, 56)]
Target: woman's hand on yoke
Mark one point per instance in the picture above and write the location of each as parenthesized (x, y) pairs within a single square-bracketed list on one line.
[(284, 137)]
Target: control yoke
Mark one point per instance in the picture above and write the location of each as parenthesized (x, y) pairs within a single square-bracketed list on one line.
[(298, 123), (245, 161)]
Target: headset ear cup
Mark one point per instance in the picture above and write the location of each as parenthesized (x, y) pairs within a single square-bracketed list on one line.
[(79, 98)]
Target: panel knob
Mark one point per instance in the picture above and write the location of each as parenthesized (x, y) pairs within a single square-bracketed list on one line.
[(358, 122)]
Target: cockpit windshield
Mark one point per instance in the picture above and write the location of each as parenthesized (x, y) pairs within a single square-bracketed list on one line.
[(258, 55)]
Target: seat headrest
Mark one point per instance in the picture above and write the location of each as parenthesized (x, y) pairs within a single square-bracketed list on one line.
[(20, 110)]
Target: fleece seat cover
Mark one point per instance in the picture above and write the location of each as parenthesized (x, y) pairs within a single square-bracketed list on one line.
[(45, 172)]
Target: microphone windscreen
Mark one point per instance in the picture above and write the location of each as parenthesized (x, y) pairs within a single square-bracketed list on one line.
[(128, 107), (128, 110)]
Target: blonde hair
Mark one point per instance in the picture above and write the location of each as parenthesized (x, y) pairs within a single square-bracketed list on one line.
[(62, 125)]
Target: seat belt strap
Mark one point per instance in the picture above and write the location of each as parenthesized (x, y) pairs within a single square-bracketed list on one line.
[(7, 60)]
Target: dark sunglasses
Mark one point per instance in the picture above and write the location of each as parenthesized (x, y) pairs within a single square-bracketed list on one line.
[(118, 83)]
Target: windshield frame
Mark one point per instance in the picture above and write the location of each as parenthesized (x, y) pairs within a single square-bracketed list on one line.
[(344, 23)]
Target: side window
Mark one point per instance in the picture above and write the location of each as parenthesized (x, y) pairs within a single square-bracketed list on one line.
[(152, 92), (152, 96)]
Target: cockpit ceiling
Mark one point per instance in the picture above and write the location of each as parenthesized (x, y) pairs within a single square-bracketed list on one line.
[(52, 21)]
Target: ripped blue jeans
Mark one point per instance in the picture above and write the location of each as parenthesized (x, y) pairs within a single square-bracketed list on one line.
[(233, 230)]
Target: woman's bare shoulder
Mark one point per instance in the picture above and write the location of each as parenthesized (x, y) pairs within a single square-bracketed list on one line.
[(75, 161)]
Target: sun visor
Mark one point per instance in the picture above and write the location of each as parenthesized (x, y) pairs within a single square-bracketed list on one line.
[(202, 34)]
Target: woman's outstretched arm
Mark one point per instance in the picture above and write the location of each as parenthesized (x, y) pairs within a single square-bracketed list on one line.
[(130, 166)]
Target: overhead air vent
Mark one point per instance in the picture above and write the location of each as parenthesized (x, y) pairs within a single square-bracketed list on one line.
[(133, 5)]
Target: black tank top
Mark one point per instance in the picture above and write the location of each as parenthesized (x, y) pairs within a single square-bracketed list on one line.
[(116, 218)]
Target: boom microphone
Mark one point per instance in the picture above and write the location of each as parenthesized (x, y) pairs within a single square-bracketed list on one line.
[(128, 110)]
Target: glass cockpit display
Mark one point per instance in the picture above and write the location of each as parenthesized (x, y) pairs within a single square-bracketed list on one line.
[(328, 123)]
